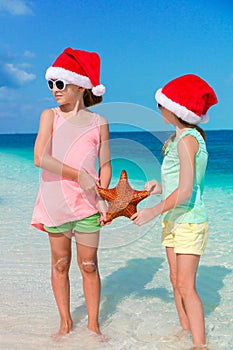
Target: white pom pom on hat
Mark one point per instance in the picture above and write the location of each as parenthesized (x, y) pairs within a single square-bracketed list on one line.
[(98, 90), (189, 97), (78, 67)]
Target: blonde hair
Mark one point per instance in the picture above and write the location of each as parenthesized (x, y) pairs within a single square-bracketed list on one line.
[(171, 138), (90, 99)]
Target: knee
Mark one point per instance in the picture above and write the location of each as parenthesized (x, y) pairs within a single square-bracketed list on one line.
[(88, 266), (62, 265), (183, 288)]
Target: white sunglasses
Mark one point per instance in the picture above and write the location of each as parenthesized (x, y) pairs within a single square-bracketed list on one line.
[(59, 84)]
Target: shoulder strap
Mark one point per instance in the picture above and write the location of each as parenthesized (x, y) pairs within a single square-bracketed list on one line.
[(192, 132), (55, 117), (54, 110), (97, 119)]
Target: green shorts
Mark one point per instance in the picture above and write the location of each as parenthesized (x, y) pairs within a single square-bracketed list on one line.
[(185, 238), (87, 225)]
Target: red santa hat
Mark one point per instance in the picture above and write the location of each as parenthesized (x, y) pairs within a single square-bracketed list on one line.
[(188, 97), (78, 67)]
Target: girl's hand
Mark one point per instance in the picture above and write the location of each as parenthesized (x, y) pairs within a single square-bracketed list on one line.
[(86, 181), (102, 208), (143, 216), (153, 187)]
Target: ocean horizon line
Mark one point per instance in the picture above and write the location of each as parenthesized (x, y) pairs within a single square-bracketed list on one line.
[(115, 131)]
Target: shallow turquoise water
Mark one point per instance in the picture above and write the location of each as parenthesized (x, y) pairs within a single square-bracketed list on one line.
[(137, 308)]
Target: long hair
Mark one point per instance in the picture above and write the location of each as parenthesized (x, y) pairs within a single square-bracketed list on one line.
[(90, 99), (171, 138)]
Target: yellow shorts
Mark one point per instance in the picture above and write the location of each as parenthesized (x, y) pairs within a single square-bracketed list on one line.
[(185, 238)]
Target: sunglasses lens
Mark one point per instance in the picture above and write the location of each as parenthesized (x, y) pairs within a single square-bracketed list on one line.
[(50, 84), (60, 85)]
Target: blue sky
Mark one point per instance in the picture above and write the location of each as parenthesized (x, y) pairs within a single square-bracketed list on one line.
[(142, 44)]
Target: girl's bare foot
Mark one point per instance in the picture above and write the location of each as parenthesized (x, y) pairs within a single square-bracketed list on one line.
[(65, 328), (97, 333), (183, 333), (94, 329)]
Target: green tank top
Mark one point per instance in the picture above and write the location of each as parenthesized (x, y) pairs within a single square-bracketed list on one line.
[(192, 210)]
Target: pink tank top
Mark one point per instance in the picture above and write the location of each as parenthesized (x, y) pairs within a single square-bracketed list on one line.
[(61, 200)]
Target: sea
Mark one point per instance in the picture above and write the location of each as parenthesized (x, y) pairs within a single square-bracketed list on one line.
[(137, 309)]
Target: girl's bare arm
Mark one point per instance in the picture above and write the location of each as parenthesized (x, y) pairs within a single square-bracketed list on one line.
[(42, 149), (187, 149), (105, 169)]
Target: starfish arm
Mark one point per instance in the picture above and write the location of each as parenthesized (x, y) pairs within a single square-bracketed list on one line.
[(130, 210), (138, 196), (107, 194), (122, 199)]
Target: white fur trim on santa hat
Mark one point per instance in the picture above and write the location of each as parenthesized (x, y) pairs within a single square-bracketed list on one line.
[(68, 76), (180, 111), (74, 78)]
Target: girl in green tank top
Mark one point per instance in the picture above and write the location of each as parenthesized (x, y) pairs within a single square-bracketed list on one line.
[(183, 103)]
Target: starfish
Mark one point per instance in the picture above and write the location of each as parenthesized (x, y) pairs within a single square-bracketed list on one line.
[(122, 199)]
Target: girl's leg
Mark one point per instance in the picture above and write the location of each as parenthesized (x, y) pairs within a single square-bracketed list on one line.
[(187, 265), (87, 261), (61, 257), (171, 256)]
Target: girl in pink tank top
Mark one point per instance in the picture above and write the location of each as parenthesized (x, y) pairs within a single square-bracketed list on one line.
[(69, 142)]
